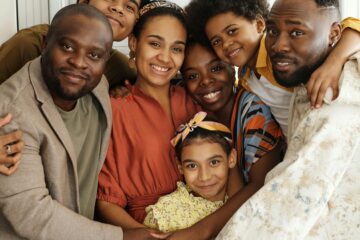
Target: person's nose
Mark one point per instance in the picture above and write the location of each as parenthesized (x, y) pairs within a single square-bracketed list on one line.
[(281, 43), (206, 80), (117, 7), (164, 55), (78, 60), (204, 174)]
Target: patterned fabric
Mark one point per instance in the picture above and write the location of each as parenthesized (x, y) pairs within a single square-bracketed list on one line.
[(159, 3), (179, 210), (255, 129), (315, 192)]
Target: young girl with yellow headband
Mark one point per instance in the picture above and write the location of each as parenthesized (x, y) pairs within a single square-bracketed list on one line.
[(205, 154)]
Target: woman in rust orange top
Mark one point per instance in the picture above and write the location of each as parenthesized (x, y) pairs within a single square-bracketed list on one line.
[(140, 164)]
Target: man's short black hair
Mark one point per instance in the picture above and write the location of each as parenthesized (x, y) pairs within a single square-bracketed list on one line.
[(200, 11), (74, 10), (327, 3)]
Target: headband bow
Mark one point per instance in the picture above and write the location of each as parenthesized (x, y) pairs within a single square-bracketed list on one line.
[(184, 129)]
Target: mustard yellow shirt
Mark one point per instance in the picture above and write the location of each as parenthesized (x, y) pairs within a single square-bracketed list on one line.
[(178, 210)]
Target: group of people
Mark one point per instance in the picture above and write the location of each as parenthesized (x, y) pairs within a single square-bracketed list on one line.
[(210, 156)]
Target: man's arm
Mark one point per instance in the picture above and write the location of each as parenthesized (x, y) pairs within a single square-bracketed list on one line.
[(27, 206), (289, 205)]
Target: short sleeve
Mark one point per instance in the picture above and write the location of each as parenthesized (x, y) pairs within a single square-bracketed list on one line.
[(24, 46), (352, 23), (109, 189), (260, 132)]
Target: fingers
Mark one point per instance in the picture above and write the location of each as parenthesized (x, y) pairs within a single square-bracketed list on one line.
[(5, 120), (8, 170), (127, 84), (10, 138), (160, 235)]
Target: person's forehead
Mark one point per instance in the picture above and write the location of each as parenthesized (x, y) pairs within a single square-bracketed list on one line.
[(301, 9)]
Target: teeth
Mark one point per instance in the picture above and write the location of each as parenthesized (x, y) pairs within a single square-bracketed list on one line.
[(159, 68), (211, 95), (233, 53), (282, 63)]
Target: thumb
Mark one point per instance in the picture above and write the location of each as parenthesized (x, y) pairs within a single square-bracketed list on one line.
[(5, 120)]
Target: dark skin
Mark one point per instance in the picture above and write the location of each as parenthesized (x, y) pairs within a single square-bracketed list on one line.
[(74, 59), (203, 74)]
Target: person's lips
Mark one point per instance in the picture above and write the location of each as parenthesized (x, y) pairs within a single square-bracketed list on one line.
[(115, 20)]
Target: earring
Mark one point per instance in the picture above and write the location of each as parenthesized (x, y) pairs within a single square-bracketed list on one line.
[(332, 44), (131, 62)]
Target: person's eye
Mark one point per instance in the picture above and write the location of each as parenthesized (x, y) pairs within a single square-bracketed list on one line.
[(215, 42), (155, 44), (178, 50), (67, 47), (271, 32), (217, 68), (94, 55), (214, 162), (296, 33), (130, 8), (192, 76), (191, 166), (231, 31)]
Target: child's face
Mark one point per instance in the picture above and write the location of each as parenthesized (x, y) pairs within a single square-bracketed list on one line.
[(159, 51), (208, 80), (234, 38), (122, 15), (205, 167)]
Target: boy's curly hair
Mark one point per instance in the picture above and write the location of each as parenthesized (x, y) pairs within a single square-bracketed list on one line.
[(200, 11)]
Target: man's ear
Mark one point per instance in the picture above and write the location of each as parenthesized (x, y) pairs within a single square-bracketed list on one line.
[(335, 34), (132, 42), (178, 161), (260, 24), (232, 158)]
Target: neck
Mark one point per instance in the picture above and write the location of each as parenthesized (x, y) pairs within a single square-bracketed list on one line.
[(66, 105), (224, 114), (160, 93)]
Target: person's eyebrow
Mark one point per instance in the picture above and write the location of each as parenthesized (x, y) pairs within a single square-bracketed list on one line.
[(134, 2), (224, 30), (163, 39), (209, 158)]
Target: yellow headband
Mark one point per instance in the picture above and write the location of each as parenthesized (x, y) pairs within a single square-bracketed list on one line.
[(184, 129)]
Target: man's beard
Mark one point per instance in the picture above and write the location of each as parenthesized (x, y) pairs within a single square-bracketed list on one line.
[(300, 76)]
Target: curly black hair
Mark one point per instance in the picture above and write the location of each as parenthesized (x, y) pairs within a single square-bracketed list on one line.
[(200, 11)]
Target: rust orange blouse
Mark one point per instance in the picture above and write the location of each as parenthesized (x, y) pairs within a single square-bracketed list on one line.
[(140, 165)]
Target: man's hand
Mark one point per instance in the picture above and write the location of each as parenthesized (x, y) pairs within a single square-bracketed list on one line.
[(191, 233), (141, 234), (120, 91), (11, 147)]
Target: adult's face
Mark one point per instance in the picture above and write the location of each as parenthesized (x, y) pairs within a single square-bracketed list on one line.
[(75, 56), (208, 80), (122, 15), (297, 40), (159, 50)]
